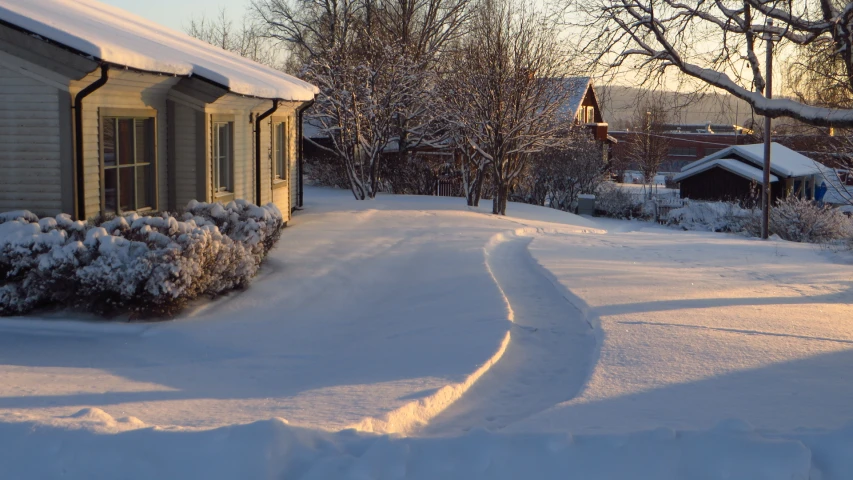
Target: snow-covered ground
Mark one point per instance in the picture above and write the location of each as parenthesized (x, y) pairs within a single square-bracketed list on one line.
[(541, 345)]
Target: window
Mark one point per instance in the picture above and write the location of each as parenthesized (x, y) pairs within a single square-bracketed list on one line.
[(281, 149), (586, 114), (682, 151), (223, 158), (590, 115), (128, 145)]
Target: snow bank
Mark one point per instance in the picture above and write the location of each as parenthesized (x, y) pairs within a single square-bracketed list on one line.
[(274, 449), (119, 37), (146, 264)]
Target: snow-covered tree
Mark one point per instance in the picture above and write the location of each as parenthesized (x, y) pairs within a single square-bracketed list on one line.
[(373, 61), (245, 38), (422, 29), (503, 91), (720, 43)]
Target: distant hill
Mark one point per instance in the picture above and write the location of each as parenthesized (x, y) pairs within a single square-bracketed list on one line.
[(619, 103)]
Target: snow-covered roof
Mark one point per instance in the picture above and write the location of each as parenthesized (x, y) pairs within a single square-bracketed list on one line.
[(784, 162), (577, 88), (728, 164), (115, 36)]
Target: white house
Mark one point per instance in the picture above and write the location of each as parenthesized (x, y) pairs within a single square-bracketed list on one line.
[(105, 112)]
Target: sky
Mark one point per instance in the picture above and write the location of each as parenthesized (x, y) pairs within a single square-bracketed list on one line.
[(177, 13)]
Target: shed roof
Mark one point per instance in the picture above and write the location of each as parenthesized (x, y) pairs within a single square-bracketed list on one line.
[(784, 162), (729, 164), (115, 36)]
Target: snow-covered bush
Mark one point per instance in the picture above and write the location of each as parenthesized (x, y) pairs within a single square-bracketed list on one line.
[(145, 264), (800, 220), (793, 219), (711, 216), (613, 201)]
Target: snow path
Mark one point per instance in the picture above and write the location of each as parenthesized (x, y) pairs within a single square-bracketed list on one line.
[(550, 356)]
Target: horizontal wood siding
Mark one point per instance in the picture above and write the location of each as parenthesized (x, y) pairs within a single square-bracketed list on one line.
[(293, 167), (244, 164), (30, 168), (243, 110), (266, 161), (186, 159), (129, 90)]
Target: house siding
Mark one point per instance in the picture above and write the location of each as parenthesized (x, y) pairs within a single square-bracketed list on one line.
[(126, 90), (36, 149), (291, 156), (184, 132), (716, 184), (266, 161), (30, 144)]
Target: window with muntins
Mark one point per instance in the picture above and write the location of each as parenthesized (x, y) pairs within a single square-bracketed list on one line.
[(128, 164), (223, 161), (281, 150)]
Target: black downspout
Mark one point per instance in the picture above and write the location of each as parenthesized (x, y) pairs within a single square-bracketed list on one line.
[(79, 177), (300, 151), (258, 121)]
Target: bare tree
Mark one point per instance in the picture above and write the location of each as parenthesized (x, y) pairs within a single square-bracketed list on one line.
[(647, 145), (504, 92), (717, 42), (246, 39)]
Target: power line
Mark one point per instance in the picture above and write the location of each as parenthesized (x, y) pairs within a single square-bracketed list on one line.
[(680, 138)]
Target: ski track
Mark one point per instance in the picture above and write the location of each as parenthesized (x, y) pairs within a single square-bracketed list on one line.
[(549, 358)]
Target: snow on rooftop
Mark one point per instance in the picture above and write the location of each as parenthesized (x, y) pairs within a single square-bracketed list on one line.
[(116, 36), (731, 165), (783, 161), (577, 87)]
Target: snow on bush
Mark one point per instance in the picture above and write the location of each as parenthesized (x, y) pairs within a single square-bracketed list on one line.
[(711, 216), (800, 220), (145, 264), (614, 201), (793, 219)]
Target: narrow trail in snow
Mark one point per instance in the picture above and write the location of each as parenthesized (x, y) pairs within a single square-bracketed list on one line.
[(549, 356)]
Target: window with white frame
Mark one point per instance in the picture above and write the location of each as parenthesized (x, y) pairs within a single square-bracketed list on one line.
[(281, 149), (223, 157), (128, 162)]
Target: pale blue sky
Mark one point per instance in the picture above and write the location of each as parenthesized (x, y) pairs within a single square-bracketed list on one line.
[(177, 13)]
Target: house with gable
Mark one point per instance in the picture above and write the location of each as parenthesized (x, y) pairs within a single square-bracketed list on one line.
[(104, 112), (584, 108)]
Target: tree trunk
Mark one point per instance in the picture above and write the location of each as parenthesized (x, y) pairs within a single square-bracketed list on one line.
[(373, 175), (499, 202), (475, 190)]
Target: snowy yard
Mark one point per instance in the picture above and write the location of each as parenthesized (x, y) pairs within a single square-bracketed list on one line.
[(412, 337)]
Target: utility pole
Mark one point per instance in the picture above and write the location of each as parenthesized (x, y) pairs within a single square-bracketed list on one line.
[(768, 93)]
